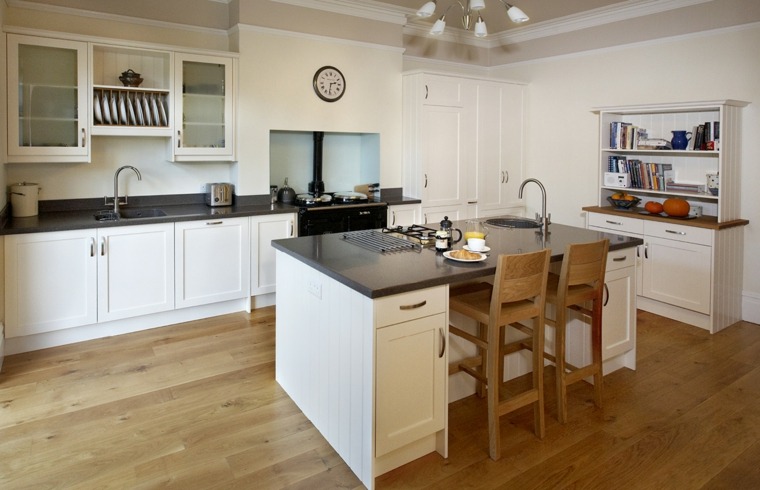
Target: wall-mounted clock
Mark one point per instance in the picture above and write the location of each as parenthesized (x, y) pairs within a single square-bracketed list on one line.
[(329, 83)]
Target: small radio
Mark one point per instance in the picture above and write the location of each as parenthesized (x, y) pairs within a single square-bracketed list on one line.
[(614, 179)]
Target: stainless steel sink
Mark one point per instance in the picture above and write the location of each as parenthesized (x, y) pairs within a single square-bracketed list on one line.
[(513, 222), (129, 214), (141, 213)]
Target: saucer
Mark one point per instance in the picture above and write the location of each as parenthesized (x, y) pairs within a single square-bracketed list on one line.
[(485, 249)]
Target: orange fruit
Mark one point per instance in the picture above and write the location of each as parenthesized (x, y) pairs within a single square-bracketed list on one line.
[(653, 207)]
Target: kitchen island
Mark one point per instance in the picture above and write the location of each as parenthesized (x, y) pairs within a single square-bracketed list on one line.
[(362, 338)]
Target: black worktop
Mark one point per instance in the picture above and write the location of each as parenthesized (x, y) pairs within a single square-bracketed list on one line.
[(375, 274), (78, 214)]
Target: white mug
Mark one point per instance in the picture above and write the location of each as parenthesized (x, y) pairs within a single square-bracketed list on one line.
[(476, 244)]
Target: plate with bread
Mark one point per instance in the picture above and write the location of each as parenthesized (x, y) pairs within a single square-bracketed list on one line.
[(465, 256)]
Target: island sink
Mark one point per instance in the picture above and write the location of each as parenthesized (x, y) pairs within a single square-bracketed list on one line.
[(514, 222)]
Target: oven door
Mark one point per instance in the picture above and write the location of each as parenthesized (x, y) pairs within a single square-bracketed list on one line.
[(341, 218)]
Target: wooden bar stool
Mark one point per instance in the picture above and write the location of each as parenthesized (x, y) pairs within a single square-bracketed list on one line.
[(580, 280), (518, 294)]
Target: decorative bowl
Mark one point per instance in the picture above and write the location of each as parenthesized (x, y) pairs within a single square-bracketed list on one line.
[(130, 79), (624, 203)]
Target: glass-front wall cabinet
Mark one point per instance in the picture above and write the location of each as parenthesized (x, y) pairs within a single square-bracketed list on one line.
[(204, 112), (47, 100)]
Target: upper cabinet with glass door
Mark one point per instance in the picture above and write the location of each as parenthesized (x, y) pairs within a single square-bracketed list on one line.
[(204, 113), (47, 100)]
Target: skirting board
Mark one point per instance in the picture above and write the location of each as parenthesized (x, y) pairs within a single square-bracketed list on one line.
[(751, 307)]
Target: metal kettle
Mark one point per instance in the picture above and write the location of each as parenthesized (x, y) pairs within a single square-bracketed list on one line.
[(286, 194)]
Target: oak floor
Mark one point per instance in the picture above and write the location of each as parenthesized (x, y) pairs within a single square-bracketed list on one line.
[(195, 405)]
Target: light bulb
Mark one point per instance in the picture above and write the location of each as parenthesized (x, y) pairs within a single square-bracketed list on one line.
[(480, 28)]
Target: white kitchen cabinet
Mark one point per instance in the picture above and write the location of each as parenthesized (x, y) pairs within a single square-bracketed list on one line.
[(211, 261), (263, 230), (692, 274), (330, 358), (463, 143), (499, 146), (47, 100), (619, 311), (204, 90), (135, 270), (411, 368), (404, 215), (50, 281), (677, 265), (432, 216)]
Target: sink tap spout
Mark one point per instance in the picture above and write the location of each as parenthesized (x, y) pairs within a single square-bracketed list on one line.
[(545, 219), (116, 185)]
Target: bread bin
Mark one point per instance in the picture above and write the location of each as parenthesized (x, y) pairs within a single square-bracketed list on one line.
[(24, 197)]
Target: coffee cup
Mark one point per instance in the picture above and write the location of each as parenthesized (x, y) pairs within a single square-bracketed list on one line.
[(476, 244)]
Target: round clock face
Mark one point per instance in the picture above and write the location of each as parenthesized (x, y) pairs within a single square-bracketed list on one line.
[(329, 83)]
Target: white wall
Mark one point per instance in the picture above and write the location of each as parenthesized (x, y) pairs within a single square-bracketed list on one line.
[(562, 132), (276, 72)]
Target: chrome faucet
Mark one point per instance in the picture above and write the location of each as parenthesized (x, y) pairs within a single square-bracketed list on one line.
[(545, 219), (116, 187)]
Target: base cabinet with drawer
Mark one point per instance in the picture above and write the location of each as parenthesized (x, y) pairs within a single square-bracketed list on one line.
[(684, 271), (371, 375)]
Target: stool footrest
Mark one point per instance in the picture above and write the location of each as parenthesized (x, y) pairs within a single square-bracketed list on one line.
[(468, 336), (518, 401)]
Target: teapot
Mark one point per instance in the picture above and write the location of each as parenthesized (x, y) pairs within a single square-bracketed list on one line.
[(444, 237)]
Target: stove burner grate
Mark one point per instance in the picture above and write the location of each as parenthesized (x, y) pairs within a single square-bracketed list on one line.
[(417, 233)]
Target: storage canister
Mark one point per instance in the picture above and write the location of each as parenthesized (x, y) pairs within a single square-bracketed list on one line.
[(24, 199)]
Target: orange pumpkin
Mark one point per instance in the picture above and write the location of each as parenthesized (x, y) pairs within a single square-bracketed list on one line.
[(653, 207), (676, 207)]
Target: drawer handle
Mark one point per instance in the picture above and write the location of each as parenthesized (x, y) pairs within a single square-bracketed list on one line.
[(619, 259), (414, 306), (675, 232), (617, 223), (443, 343), (214, 222)]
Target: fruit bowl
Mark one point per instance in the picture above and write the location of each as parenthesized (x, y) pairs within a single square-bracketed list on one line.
[(624, 203)]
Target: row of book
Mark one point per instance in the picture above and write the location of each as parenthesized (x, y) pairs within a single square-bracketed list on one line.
[(643, 175), (705, 136), (626, 136)]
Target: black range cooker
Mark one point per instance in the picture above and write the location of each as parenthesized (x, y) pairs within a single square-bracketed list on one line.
[(335, 212), (339, 212)]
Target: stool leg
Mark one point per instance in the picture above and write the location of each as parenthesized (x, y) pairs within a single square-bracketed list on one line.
[(559, 354), (494, 432), (596, 350), (480, 388), (538, 377)]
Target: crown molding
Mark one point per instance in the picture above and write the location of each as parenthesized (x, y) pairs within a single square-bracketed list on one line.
[(584, 20), (312, 37), (23, 4), (366, 9)]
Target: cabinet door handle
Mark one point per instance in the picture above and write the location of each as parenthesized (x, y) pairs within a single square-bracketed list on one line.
[(675, 232), (607, 293), (214, 223), (414, 306), (619, 259), (84, 137), (92, 247), (646, 252), (426, 91), (425, 181), (103, 246), (292, 228), (443, 343), (616, 223), (393, 221), (179, 139)]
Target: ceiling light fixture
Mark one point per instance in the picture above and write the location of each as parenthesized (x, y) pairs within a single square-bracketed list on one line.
[(470, 9)]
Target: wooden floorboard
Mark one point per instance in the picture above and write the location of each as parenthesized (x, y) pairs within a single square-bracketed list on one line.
[(195, 405)]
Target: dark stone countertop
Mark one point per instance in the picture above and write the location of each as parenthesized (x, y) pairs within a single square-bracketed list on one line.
[(78, 214), (375, 274)]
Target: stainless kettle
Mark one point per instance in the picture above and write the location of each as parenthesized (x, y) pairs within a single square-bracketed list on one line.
[(286, 195)]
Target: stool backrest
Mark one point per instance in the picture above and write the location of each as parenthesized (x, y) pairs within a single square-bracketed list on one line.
[(582, 275), (521, 277)]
